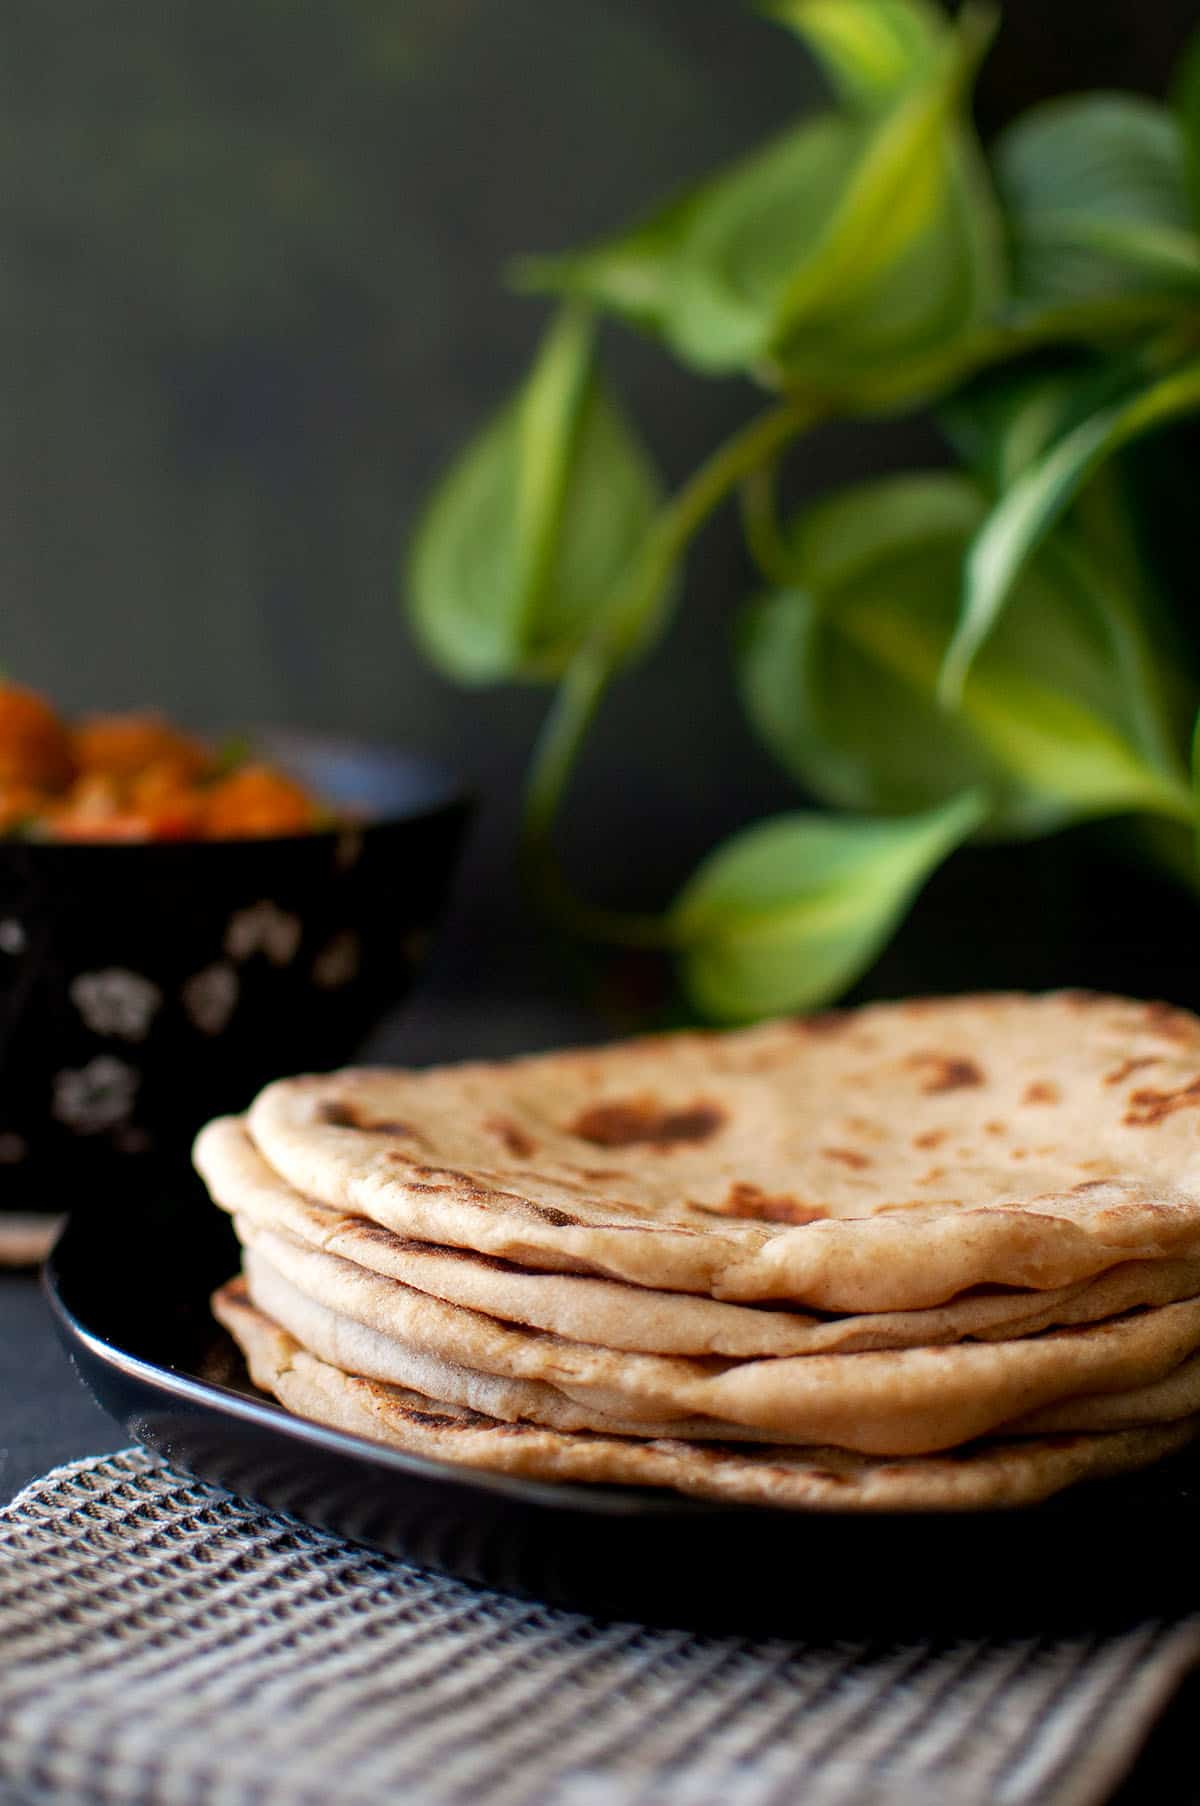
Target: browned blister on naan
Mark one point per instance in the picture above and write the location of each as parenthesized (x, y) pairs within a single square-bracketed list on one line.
[(642, 1319), (886, 1159)]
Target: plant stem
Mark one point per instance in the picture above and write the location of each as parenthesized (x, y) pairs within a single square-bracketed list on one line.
[(760, 525), (746, 451), (755, 445), (592, 669), (571, 715)]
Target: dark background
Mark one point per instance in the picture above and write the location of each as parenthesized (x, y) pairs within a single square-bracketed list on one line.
[(250, 292)]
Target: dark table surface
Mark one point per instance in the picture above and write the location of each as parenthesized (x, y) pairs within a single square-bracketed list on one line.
[(47, 1417)]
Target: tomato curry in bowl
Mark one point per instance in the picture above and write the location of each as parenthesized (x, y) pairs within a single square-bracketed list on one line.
[(180, 923), (136, 777)]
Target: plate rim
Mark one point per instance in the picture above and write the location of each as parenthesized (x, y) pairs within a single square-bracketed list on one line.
[(563, 1500), (616, 1502)]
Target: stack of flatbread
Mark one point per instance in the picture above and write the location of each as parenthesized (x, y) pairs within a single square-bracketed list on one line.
[(927, 1255)]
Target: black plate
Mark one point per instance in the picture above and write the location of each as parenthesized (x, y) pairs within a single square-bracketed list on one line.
[(132, 1307)]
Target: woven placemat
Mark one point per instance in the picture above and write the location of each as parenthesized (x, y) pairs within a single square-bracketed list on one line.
[(161, 1641)]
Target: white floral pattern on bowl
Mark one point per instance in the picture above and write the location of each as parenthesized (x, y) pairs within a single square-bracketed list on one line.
[(210, 997), (338, 962), (95, 1097), (146, 988), (116, 1002), (13, 938), (263, 928)]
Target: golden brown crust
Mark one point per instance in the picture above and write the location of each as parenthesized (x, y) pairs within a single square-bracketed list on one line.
[(613, 1314), (886, 1162), (892, 1402), (1009, 1473)]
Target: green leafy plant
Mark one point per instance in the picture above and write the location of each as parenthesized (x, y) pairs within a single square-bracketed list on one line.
[(978, 651)]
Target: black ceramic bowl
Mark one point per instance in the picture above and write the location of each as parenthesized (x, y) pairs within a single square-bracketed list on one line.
[(145, 988)]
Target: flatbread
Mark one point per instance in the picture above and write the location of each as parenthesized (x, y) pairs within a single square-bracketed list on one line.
[(353, 1348), (1165, 1401), (882, 1159), (614, 1314), (343, 1343), (999, 1474), (892, 1402)]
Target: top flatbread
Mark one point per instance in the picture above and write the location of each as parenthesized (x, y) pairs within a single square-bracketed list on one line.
[(880, 1159), (609, 1312)]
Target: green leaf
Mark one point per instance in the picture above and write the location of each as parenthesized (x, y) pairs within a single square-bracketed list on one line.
[(632, 274), (894, 336), (1041, 495), (233, 751), (1001, 424), (1195, 768), (1004, 419), (839, 671), (870, 49), (519, 554), (703, 273), (1186, 101), (790, 912), (1096, 195), (747, 236), (894, 195), (843, 257)]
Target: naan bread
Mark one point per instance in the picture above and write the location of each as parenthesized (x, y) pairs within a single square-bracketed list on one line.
[(350, 1345), (883, 1159), (893, 1402), (614, 1314), (346, 1344), (815, 1479), (1165, 1401)]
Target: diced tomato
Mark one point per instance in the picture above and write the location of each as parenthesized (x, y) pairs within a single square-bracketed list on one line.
[(178, 824), (99, 827), (127, 746), (35, 746), (257, 800), (132, 777), (19, 804)]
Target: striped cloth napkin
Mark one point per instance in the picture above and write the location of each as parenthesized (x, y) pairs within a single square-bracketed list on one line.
[(161, 1641)]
